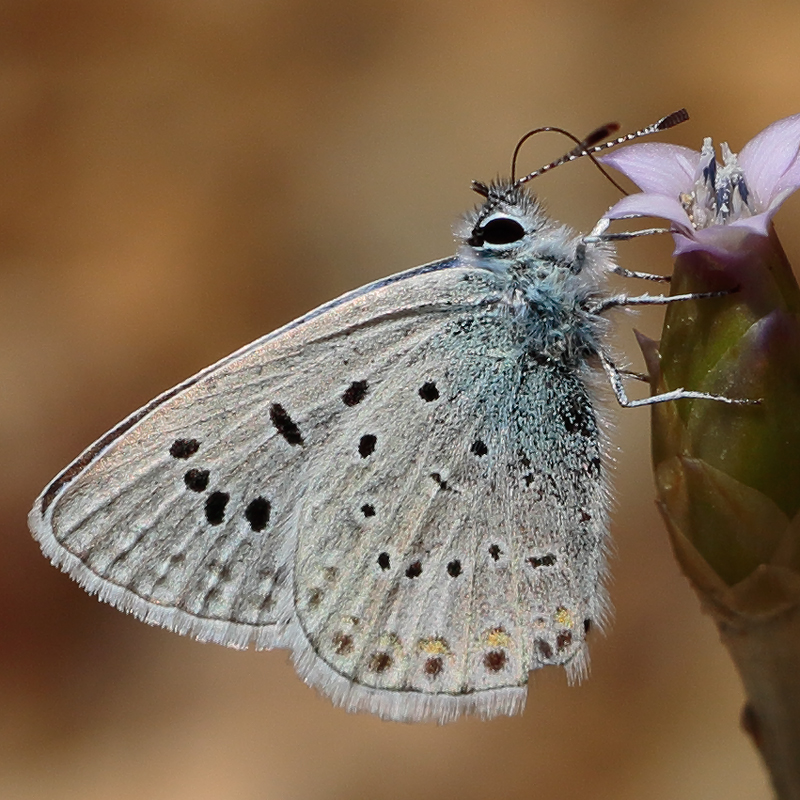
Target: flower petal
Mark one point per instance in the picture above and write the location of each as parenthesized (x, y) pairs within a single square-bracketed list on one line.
[(759, 223), (654, 167), (771, 156), (650, 205), (787, 184)]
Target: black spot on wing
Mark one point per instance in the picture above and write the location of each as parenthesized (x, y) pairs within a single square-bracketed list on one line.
[(215, 507), (542, 561), (284, 424), (196, 479), (257, 513), (414, 570), (479, 448), (184, 448), (355, 393), (366, 446), (429, 392), (454, 568)]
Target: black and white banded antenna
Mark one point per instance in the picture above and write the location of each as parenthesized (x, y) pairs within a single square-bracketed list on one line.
[(592, 144)]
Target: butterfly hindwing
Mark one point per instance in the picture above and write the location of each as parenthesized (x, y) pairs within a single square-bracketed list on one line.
[(434, 567)]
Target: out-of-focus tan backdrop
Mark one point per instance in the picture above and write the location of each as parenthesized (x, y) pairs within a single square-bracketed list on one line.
[(179, 178)]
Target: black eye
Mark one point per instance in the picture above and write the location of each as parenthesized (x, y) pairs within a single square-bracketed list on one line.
[(498, 231)]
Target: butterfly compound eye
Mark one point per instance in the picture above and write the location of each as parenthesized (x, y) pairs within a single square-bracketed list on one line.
[(500, 230)]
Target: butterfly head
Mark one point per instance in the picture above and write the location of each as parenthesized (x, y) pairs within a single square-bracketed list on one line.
[(511, 235), (505, 222), (511, 223)]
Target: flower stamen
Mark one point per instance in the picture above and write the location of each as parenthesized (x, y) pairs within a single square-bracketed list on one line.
[(720, 194)]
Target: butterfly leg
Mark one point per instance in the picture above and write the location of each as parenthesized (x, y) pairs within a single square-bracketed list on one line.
[(599, 235), (636, 376), (624, 236), (615, 377), (645, 276), (652, 300)]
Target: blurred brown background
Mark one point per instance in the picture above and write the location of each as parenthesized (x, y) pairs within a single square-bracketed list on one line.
[(180, 178)]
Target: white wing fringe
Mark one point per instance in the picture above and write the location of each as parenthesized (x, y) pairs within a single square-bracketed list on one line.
[(396, 705)]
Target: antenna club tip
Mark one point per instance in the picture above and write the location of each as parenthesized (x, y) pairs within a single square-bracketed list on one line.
[(675, 118)]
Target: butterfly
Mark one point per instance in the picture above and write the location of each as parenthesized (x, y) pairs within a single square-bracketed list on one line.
[(405, 487)]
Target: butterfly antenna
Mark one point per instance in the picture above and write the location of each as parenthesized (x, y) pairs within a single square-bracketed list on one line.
[(589, 146)]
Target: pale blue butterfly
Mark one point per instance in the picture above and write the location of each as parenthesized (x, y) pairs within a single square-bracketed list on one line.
[(405, 487)]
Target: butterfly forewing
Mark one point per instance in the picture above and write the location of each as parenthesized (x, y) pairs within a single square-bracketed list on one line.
[(160, 483)]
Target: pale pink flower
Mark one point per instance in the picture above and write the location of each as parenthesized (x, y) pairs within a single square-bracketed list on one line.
[(712, 206)]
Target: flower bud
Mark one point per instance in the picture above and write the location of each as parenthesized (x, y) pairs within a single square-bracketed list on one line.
[(728, 476)]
